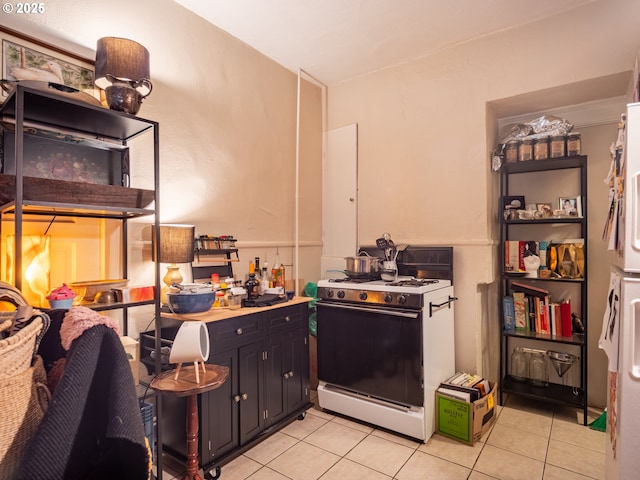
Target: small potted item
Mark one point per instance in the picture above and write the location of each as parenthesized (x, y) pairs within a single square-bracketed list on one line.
[(61, 297)]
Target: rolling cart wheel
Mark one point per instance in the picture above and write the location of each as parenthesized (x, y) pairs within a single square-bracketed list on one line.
[(302, 415), (213, 476)]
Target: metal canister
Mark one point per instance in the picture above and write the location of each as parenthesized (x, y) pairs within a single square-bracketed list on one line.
[(525, 150), (557, 146), (574, 144), (511, 151), (541, 148)]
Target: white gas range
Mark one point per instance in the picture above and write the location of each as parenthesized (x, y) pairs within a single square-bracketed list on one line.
[(383, 349)]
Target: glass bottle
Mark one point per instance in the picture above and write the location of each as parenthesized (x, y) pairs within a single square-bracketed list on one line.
[(251, 284), (257, 270), (281, 275), (264, 281)]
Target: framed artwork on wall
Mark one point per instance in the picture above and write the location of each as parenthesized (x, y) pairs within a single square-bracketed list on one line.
[(27, 58)]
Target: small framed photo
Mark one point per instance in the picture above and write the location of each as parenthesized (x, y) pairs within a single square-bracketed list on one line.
[(513, 202), (545, 209), (571, 206)]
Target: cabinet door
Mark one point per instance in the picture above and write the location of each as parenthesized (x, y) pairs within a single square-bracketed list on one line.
[(297, 384), (250, 371), (219, 416), (286, 382), (274, 381)]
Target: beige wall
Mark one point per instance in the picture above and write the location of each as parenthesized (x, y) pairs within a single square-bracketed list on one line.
[(227, 118), (426, 130)]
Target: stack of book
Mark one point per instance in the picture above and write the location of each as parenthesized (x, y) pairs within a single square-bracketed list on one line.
[(531, 309), (465, 386)]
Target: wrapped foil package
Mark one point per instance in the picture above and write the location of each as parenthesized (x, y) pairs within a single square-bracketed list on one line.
[(544, 126), (540, 127)]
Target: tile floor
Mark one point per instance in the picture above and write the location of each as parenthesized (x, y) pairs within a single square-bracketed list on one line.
[(527, 442)]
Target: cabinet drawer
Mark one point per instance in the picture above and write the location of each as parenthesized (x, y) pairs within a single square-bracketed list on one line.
[(286, 318), (235, 332)]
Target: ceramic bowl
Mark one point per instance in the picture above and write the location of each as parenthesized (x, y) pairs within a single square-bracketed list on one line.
[(63, 304), (187, 302)]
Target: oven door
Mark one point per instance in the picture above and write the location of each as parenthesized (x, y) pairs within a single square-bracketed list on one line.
[(371, 350)]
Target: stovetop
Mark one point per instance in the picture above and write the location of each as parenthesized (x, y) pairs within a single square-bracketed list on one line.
[(401, 284), (405, 292)]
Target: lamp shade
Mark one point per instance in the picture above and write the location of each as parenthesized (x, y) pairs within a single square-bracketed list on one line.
[(176, 243), (123, 59)]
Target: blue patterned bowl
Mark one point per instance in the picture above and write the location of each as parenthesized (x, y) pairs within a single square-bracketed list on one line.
[(187, 302)]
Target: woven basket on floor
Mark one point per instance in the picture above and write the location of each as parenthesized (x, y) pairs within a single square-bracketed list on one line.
[(16, 351), (24, 399)]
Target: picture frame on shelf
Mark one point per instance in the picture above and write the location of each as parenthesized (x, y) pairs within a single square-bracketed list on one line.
[(27, 58), (544, 209), (571, 206), (513, 202)]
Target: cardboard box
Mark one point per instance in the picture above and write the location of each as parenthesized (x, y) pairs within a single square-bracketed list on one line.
[(131, 349), (464, 421)]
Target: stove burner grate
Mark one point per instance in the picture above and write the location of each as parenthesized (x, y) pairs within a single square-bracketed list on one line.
[(352, 280), (414, 282)]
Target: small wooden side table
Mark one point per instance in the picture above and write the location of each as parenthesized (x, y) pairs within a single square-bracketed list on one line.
[(186, 386)]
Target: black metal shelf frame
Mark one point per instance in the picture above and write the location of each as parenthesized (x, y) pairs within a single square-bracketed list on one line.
[(29, 107), (552, 393)]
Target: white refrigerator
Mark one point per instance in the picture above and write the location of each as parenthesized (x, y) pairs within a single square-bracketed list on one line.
[(620, 336)]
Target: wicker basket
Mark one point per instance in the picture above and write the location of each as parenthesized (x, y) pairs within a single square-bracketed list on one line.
[(24, 399), (16, 351)]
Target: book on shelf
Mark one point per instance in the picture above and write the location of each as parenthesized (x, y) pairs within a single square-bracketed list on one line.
[(516, 250), (535, 311), (521, 316), (514, 255), (565, 318), (529, 289), (508, 313)]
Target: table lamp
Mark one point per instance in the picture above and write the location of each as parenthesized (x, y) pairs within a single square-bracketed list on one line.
[(191, 345), (122, 71), (176, 246)]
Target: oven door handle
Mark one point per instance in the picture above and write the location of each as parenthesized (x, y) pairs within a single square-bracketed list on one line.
[(373, 310), (433, 306)]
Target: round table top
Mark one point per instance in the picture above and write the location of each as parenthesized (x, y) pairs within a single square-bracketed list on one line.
[(185, 385)]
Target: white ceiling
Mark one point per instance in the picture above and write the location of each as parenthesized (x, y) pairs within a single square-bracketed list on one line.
[(334, 40)]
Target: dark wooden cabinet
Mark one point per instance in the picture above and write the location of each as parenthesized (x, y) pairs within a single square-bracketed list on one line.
[(267, 353)]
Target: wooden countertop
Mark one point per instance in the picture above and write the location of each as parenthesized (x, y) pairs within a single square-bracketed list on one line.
[(217, 313)]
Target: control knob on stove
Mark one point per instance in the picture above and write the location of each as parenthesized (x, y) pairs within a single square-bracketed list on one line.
[(329, 293), (340, 293), (402, 299), (363, 295), (387, 298)]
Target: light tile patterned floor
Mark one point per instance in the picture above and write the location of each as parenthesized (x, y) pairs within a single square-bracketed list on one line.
[(527, 442)]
